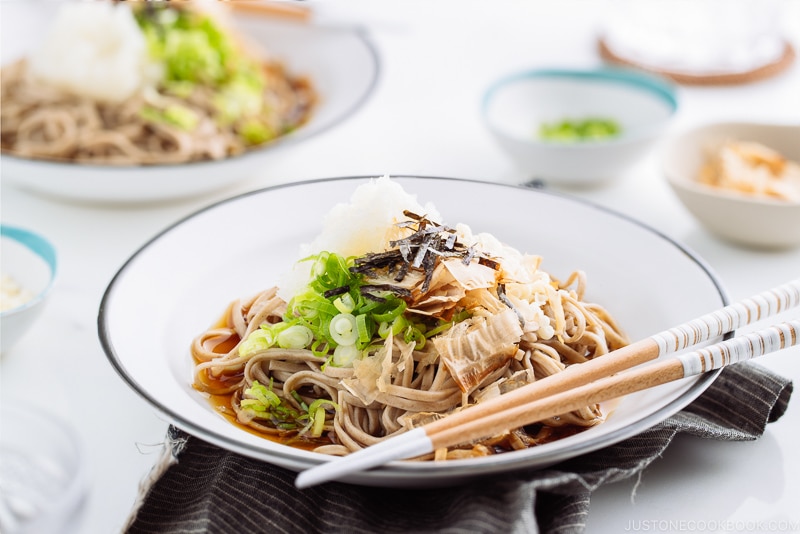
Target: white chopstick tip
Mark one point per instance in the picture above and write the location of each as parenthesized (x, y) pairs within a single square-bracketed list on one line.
[(407, 445)]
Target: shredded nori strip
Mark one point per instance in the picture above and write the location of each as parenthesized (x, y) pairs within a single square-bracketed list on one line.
[(501, 294), (469, 255), (402, 272), (428, 263), (403, 292), (336, 291), (420, 250), (377, 260)]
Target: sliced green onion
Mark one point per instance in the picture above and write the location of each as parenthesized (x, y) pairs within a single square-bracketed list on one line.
[(363, 329), (309, 304), (328, 361), (383, 329), (345, 303), (255, 132), (446, 325), (343, 329), (438, 329), (413, 334), (295, 337), (399, 308), (319, 423), (320, 348), (296, 396), (368, 306), (258, 340), (252, 404), (395, 327), (345, 355), (261, 393), (317, 415)]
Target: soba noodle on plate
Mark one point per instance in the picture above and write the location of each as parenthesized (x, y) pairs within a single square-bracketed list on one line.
[(144, 83), (392, 319)]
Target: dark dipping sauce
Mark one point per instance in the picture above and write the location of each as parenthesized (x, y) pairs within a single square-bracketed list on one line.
[(222, 404)]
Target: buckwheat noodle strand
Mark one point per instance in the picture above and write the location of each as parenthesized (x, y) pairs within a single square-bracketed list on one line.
[(420, 386)]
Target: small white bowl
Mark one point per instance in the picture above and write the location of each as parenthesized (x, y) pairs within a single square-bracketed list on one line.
[(43, 472), (733, 216), (29, 260), (515, 106)]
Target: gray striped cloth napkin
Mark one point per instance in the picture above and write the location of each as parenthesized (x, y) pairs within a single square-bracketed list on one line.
[(205, 489)]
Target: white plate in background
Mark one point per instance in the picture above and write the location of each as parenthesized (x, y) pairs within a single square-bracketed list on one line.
[(341, 62)]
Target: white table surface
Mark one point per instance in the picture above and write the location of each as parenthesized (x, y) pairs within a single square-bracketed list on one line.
[(436, 58)]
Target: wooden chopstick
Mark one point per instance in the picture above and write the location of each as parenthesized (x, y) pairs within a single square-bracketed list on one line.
[(689, 334), (286, 10), (713, 357), (506, 411)]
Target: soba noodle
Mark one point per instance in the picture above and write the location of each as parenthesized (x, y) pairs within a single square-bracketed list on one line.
[(43, 121), (396, 385)]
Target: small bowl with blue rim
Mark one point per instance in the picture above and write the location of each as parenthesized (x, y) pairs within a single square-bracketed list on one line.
[(28, 270), (578, 127)]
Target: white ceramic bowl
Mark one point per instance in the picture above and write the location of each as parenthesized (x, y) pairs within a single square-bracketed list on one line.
[(43, 472), (342, 64), (648, 284), (30, 261), (515, 106), (733, 216)]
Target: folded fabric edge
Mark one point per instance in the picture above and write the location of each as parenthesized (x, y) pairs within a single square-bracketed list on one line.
[(765, 393)]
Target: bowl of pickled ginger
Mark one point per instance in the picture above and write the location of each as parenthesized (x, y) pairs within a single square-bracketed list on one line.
[(740, 180)]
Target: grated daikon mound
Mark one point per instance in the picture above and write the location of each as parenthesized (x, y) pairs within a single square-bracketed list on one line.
[(364, 224), (96, 50), (367, 222)]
